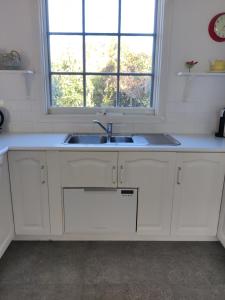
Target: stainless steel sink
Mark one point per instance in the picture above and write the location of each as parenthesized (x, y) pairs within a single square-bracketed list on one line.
[(135, 140), (86, 139), (160, 139), (121, 139)]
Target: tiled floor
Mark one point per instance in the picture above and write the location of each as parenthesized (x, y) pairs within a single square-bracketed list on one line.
[(112, 271)]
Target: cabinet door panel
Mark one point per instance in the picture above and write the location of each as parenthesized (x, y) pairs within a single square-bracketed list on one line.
[(29, 192), (6, 219), (221, 227), (153, 175), (90, 169), (198, 194)]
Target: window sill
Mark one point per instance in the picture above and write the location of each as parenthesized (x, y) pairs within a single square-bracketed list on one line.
[(101, 111), (120, 116)]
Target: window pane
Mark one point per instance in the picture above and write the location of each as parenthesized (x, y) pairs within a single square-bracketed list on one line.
[(67, 91), (66, 53), (137, 16), (65, 15), (136, 54), (135, 91), (101, 16), (101, 54), (101, 91)]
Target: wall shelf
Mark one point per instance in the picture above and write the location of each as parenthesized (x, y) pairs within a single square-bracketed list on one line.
[(27, 74), (202, 74), (17, 72), (189, 76)]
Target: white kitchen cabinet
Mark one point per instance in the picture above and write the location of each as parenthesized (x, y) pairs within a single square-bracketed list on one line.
[(221, 226), (153, 175), (6, 219), (28, 174), (178, 194), (198, 193), (88, 169)]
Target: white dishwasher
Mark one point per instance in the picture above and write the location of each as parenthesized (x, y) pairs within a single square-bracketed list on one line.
[(95, 210)]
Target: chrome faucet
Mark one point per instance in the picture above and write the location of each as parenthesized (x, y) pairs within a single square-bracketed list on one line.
[(107, 128)]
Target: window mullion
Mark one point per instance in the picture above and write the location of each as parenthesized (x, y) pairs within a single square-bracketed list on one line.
[(153, 56), (118, 59), (84, 52), (48, 52)]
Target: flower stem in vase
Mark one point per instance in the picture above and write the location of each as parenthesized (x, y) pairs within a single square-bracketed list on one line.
[(190, 64)]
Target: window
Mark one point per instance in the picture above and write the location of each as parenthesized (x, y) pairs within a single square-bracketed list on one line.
[(101, 53)]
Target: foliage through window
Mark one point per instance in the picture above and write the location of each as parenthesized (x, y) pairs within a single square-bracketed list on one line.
[(101, 52)]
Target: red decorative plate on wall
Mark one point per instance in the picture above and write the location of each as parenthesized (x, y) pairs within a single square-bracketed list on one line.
[(217, 27)]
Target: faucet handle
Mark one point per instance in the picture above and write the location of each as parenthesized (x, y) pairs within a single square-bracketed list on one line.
[(109, 128)]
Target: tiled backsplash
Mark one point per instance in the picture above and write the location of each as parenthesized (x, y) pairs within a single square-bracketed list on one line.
[(198, 114)]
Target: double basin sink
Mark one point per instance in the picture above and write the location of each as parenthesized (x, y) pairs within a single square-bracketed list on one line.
[(131, 140)]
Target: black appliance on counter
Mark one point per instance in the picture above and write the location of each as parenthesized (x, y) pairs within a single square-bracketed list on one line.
[(221, 132), (2, 118)]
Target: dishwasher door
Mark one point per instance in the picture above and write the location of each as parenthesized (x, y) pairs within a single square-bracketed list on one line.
[(99, 210)]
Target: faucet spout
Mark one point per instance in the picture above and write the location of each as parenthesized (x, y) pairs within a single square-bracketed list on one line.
[(107, 129), (101, 125)]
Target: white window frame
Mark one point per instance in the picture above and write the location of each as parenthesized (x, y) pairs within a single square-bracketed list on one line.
[(158, 106)]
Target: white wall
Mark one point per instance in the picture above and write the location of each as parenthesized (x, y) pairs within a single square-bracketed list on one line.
[(188, 39)]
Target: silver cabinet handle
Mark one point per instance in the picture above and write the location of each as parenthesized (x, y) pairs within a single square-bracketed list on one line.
[(121, 173), (43, 174), (179, 175), (1, 164), (114, 174)]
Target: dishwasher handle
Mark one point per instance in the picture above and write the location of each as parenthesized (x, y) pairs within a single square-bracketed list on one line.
[(99, 189)]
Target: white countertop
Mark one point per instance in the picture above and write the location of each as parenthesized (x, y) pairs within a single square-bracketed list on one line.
[(54, 141), (3, 150)]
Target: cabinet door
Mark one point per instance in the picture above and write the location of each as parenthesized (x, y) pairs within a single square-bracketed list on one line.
[(153, 175), (221, 227), (88, 169), (198, 193), (28, 174), (6, 219)]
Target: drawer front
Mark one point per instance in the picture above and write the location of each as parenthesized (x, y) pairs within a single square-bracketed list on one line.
[(93, 169), (99, 211)]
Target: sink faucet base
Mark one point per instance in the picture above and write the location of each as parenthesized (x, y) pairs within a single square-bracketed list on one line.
[(107, 129)]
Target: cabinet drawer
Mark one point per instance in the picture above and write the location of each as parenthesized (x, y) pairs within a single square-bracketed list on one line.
[(100, 210), (90, 169)]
